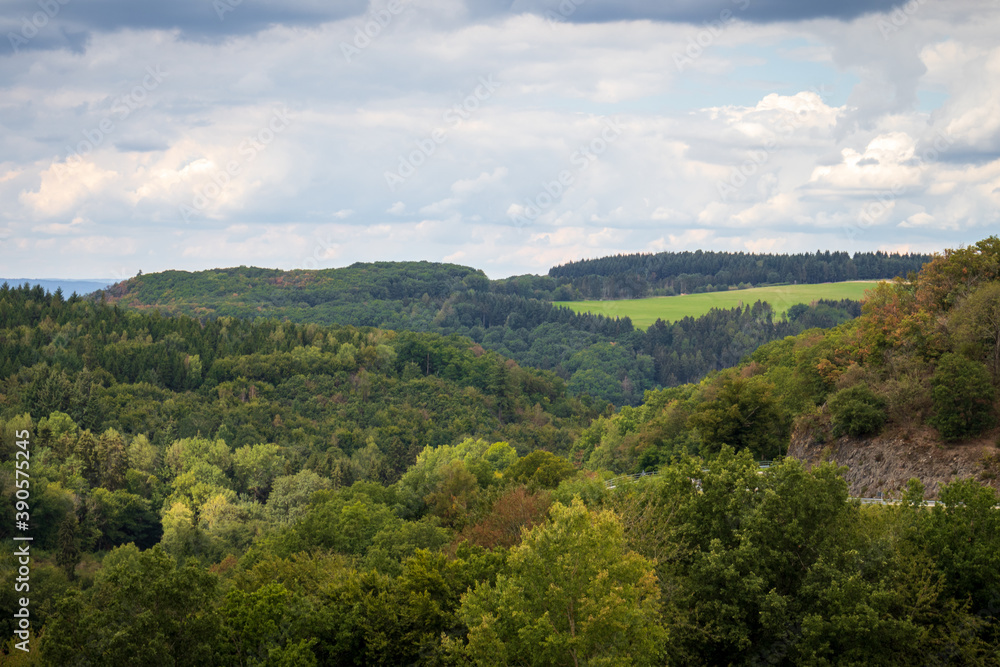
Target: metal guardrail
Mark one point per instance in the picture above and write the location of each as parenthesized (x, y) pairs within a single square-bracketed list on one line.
[(615, 482), (894, 501)]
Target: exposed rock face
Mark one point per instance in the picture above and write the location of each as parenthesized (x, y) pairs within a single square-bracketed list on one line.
[(886, 462)]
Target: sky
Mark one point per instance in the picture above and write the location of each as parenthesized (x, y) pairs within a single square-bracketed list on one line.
[(507, 136)]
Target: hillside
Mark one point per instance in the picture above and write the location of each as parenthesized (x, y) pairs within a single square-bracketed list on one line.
[(606, 358), (921, 366), (361, 401)]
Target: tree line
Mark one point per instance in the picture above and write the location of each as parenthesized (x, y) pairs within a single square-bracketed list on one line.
[(669, 273)]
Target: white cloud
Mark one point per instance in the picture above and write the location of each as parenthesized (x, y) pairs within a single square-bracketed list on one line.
[(763, 111), (65, 184)]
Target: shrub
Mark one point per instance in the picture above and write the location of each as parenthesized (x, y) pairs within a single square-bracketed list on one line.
[(856, 411)]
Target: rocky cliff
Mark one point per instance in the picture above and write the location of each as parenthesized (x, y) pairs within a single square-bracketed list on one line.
[(886, 462)]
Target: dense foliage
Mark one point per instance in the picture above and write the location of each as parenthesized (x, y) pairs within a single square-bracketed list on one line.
[(605, 358), (259, 492), (712, 562), (261, 380)]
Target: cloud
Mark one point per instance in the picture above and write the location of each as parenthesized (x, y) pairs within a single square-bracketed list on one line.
[(809, 122), (467, 187), (698, 11), (64, 185), (70, 24)]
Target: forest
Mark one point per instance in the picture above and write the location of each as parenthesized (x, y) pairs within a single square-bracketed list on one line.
[(252, 491), (608, 359)]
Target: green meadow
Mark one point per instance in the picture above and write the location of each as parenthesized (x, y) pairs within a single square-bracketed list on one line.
[(644, 312)]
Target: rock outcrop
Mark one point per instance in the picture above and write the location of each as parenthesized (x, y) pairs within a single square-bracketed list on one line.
[(886, 462)]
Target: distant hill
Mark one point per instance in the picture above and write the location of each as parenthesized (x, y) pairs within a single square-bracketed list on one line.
[(68, 286), (605, 357), (671, 273)]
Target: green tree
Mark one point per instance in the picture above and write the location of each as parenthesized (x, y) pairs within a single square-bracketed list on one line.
[(123, 517), (976, 325), (744, 414), (143, 455), (574, 595), (87, 451), (962, 536), (963, 397), (143, 609), (56, 431), (183, 455), (68, 555), (112, 460), (182, 538), (255, 467), (454, 496), (344, 525), (257, 622), (289, 499), (541, 469)]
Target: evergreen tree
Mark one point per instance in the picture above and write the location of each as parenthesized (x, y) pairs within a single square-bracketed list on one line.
[(69, 545)]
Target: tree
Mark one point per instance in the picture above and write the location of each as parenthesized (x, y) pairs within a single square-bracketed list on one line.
[(962, 537), (123, 517), (182, 538), (142, 455), (143, 609), (255, 623), (289, 499), (574, 595), (255, 468), (454, 496), (112, 460), (56, 431), (976, 323), (513, 511), (69, 546), (743, 414), (86, 449), (541, 469), (963, 397), (344, 525), (185, 454)]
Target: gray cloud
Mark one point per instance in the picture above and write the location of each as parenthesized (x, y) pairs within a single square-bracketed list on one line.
[(69, 23), (317, 193), (698, 11), (140, 145)]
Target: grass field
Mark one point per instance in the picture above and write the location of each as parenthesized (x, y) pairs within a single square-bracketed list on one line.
[(671, 308)]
